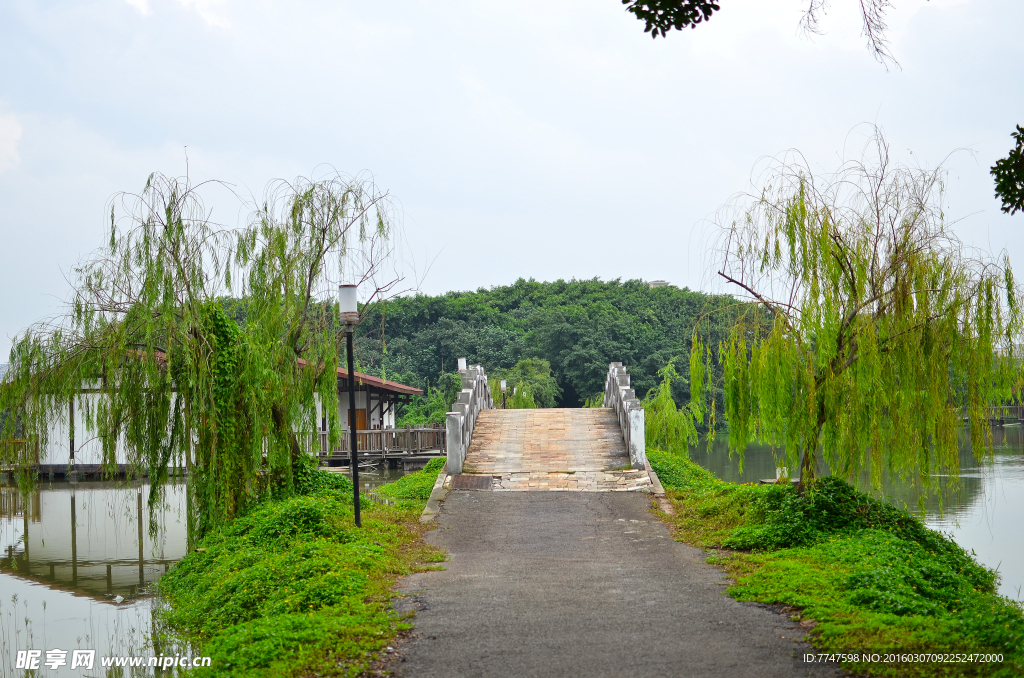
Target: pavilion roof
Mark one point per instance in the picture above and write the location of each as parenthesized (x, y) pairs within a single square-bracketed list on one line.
[(382, 384)]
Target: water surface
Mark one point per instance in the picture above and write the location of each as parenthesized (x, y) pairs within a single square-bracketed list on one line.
[(79, 580)]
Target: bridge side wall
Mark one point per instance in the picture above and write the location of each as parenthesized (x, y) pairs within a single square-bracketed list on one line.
[(630, 413), (475, 396)]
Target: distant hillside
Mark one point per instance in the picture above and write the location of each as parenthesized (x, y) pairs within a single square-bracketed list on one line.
[(578, 326)]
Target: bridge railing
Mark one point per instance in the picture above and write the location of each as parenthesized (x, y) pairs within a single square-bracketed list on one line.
[(394, 441), (475, 396), (621, 398), (999, 413)]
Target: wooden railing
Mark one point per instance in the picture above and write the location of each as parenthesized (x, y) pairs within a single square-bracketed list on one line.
[(1000, 413), (383, 442), (13, 453)]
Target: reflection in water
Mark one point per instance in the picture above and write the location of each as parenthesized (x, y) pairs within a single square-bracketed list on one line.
[(373, 477), (981, 510), (69, 550), (90, 537)]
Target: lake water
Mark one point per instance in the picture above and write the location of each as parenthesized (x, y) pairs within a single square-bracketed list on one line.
[(88, 543), (982, 512), (380, 475)]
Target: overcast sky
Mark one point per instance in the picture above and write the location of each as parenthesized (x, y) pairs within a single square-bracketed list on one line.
[(552, 139)]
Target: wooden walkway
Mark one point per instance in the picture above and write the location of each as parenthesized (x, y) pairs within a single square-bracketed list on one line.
[(549, 449)]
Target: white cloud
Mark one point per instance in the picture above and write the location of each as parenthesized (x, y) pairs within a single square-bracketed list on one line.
[(10, 135), (211, 11), (522, 131), (142, 6)]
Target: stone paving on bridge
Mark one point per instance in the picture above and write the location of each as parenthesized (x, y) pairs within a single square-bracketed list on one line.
[(576, 450)]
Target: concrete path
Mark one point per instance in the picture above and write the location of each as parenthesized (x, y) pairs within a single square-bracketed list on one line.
[(588, 584), (555, 439), (576, 450)]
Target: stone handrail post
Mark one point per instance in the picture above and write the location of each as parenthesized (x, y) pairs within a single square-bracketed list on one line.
[(475, 396), (630, 413)]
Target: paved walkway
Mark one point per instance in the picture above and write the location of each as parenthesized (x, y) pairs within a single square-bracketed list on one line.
[(561, 584), (576, 450)]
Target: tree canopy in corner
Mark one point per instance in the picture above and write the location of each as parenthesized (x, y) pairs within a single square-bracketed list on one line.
[(1009, 176), (661, 16)]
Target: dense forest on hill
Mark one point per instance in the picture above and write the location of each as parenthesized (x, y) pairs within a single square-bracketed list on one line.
[(578, 326)]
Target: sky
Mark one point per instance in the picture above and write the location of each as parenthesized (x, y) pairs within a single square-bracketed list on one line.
[(547, 139)]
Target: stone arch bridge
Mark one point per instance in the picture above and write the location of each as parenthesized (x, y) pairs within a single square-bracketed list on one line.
[(558, 449)]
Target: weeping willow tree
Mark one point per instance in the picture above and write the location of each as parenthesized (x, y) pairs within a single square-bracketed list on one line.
[(666, 426), (872, 330), (164, 377)]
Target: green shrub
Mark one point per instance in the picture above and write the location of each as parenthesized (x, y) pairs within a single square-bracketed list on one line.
[(679, 473), (312, 480), (415, 485), (293, 587)]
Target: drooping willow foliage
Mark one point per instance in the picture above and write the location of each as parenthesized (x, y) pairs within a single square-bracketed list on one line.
[(164, 377), (873, 330), (666, 426)]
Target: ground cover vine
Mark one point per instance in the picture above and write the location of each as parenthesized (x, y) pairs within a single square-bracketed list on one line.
[(292, 588)]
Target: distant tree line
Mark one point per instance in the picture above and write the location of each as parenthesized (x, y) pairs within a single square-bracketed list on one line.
[(577, 327)]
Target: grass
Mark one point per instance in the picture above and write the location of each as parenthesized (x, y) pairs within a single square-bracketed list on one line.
[(293, 588), (415, 486), (872, 577)]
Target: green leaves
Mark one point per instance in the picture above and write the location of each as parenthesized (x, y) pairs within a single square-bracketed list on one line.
[(871, 331), (177, 381), (661, 16), (666, 427), (530, 384), (417, 485), (870, 575), (1009, 175), (578, 326), (293, 586)]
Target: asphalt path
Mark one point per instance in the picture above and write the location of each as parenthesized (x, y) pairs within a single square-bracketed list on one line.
[(567, 584)]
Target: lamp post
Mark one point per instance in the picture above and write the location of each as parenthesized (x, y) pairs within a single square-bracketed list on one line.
[(502, 394), (348, 313)]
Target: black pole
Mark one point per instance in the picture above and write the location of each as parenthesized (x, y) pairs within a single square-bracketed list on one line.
[(142, 569), (352, 425), (74, 540)]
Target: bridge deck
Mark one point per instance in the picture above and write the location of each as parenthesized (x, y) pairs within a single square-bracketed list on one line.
[(549, 449)]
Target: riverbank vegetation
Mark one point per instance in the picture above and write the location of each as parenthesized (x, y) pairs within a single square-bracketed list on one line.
[(292, 588), (414, 487), (862, 575)]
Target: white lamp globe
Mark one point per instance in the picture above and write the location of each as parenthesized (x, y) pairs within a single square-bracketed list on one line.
[(348, 304)]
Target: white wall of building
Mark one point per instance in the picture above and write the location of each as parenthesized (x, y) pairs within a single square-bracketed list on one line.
[(89, 449)]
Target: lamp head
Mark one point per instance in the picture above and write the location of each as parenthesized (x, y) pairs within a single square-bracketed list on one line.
[(502, 385), (348, 305), (462, 364)]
